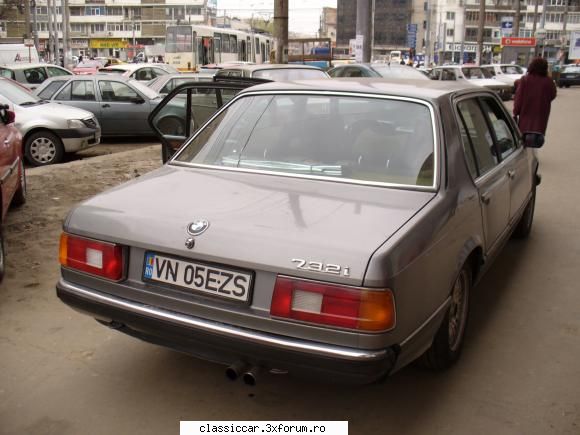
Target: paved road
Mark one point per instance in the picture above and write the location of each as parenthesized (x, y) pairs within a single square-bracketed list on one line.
[(61, 373)]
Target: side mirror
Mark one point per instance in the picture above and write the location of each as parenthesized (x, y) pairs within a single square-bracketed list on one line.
[(7, 116), (137, 100)]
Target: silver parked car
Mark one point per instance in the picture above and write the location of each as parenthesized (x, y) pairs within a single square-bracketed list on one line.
[(48, 130), (31, 75), (473, 75), (389, 71), (327, 227), (120, 104)]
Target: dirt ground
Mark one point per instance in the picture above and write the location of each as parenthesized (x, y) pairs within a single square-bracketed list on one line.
[(62, 373), (32, 232)]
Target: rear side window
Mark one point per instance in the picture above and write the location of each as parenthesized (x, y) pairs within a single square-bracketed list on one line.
[(50, 89), (35, 75), (83, 91), (55, 72), (506, 143), (9, 74), (478, 136), (354, 138)]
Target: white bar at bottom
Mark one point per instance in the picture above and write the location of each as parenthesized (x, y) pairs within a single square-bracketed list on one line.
[(263, 427)]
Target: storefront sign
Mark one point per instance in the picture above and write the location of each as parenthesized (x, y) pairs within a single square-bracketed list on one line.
[(108, 43), (518, 42)]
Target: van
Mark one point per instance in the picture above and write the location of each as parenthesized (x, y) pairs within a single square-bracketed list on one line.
[(17, 53), (396, 56)]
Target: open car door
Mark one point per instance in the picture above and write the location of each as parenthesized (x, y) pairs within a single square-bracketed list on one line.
[(189, 106)]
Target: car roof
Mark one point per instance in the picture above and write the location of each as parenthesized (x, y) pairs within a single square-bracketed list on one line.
[(132, 66), (267, 66), (29, 65), (110, 77), (420, 89)]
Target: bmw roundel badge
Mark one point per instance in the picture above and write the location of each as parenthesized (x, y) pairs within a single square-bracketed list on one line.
[(197, 227)]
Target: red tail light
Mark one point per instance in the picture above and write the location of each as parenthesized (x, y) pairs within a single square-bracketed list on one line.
[(333, 305), (92, 256)]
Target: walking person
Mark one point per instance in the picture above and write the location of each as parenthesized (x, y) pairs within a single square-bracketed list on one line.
[(534, 94)]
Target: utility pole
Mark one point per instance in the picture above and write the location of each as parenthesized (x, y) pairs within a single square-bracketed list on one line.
[(516, 29), (67, 60), (51, 44), (479, 55), (534, 31), (543, 25), (428, 35), (27, 19), (56, 41), (281, 30), (363, 27), (35, 26), (564, 37)]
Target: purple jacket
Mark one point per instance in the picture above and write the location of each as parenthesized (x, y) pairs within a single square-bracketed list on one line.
[(532, 103)]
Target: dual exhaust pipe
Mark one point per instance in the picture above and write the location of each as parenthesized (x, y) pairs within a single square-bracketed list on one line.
[(248, 373)]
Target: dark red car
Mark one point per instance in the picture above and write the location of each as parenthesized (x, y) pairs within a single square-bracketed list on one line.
[(12, 176)]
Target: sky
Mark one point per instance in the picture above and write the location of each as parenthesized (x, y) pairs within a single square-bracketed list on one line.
[(303, 15)]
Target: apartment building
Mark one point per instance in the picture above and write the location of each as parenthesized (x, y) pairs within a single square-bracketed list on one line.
[(109, 27), (461, 43), (328, 24)]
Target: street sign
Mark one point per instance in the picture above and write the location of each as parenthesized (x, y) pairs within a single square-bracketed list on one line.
[(29, 42), (518, 42), (507, 25), (358, 52), (412, 35), (574, 52)]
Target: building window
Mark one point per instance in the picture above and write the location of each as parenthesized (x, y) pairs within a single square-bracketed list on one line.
[(424, 24), (97, 28), (451, 32), (450, 16)]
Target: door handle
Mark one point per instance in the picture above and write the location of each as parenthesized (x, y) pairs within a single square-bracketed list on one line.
[(511, 173), (106, 105), (485, 198)]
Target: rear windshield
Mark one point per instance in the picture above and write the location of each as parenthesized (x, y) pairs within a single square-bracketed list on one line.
[(285, 74), (511, 69), (571, 69), (473, 73), (50, 89), (354, 138), (399, 72)]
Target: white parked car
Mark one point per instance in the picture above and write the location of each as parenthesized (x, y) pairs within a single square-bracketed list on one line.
[(473, 75), (505, 73), (49, 130)]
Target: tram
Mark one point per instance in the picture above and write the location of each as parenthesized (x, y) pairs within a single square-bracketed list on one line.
[(189, 47)]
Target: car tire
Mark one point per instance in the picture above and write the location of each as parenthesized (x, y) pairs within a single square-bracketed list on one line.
[(43, 148), (567, 86), (448, 341), (524, 226), (19, 197)]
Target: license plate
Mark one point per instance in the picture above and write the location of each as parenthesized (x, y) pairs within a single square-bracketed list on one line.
[(199, 277)]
